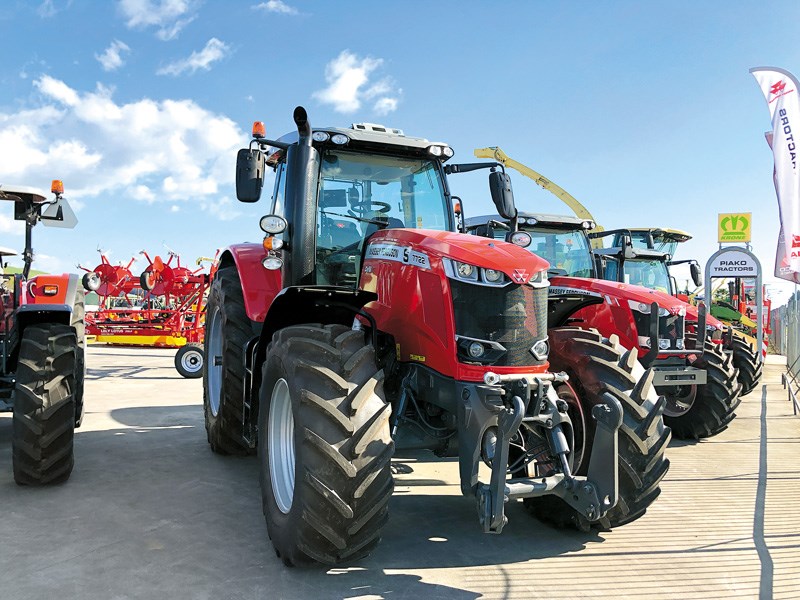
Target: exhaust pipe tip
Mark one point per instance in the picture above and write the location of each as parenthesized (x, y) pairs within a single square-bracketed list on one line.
[(303, 126)]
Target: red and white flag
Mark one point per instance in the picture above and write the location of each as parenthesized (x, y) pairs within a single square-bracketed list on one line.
[(782, 92)]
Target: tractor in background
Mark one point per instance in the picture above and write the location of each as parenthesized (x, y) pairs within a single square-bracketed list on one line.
[(42, 347), (644, 256), (365, 324), (697, 379)]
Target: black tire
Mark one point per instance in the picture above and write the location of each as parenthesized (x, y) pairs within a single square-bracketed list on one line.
[(91, 282), (597, 365), (342, 445), (712, 405), (147, 280), (78, 323), (189, 360), (223, 416), (749, 363), (44, 405)]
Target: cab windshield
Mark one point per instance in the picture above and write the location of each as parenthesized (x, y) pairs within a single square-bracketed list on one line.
[(362, 193), (651, 274), (567, 252)]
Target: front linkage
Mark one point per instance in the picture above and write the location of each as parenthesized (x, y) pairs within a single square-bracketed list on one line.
[(531, 399)]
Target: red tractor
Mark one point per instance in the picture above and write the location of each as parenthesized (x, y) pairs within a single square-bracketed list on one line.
[(364, 324), (42, 346), (645, 256), (691, 371)]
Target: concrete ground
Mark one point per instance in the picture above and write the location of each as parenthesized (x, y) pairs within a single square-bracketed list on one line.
[(150, 512)]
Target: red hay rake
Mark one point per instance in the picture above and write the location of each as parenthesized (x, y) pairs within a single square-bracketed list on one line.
[(163, 307)]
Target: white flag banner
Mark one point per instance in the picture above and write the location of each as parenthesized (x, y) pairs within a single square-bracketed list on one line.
[(782, 93)]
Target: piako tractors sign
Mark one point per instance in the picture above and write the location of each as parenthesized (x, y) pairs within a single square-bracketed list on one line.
[(734, 227)]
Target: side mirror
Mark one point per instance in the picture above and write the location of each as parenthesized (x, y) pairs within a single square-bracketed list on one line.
[(502, 194), (59, 214), (694, 270), (250, 164)]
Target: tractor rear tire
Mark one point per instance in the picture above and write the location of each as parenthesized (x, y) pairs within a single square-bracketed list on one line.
[(325, 447), (749, 363), (189, 360), (44, 405), (228, 329), (78, 323), (714, 403), (596, 365)]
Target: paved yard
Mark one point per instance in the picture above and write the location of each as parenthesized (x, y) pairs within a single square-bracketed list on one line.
[(150, 512)]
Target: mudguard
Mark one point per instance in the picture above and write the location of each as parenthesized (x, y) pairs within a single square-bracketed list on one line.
[(48, 298), (259, 286)]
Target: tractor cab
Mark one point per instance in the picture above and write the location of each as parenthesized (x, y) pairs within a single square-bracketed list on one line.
[(561, 240), (643, 257)]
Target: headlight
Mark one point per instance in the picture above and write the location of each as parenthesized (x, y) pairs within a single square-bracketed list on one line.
[(644, 308), (272, 224), (520, 238), (340, 139), (465, 270), (320, 136), (476, 350), (679, 344), (435, 150), (272, 263), (663, 344), (492, 276)]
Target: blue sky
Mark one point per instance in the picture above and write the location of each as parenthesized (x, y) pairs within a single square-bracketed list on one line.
[(644, 111)]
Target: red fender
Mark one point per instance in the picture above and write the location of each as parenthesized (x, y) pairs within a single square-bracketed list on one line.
[(259, 285)]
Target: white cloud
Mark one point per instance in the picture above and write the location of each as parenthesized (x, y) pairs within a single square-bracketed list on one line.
[(152, 151), (168, 16), (9, 225), (111, 59), (50, 8), (385, 105), (348, 78), (213, 51), (222, 208), (276, 6)]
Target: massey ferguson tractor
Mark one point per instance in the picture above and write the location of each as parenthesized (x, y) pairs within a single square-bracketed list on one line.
[(42, 346), (364, 324), (645, 256), (700, 386)]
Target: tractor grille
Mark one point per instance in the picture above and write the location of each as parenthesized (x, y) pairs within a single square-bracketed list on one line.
[(670, 327), (513, 317)]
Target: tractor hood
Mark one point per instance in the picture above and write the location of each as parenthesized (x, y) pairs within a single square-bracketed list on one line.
[(692, 315), (517, 263), (617, 290)]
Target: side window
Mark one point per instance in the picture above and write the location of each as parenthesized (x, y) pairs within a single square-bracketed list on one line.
[(279, 191), (611, 270)]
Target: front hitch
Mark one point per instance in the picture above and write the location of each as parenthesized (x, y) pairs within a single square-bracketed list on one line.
[(592, 495)]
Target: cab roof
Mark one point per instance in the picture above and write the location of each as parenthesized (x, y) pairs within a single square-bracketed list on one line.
[(16, 193), (566, 222), (7, 252)]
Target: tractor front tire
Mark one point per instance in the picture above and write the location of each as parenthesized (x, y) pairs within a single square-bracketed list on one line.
[(189, 361), (228, 329), (749, 363), (596, 365), (44, 405), (325, 447), (78, 323), (713, 404)]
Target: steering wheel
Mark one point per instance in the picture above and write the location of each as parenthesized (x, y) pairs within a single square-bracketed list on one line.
[(373, 206)]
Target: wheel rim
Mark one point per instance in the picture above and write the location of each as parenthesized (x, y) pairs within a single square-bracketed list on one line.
[(280, 436), (214, 370), (680, 399), (192, 361)]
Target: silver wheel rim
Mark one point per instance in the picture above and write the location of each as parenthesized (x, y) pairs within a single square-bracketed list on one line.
[(680, 399), (280, 436), (192, 361), (215, 360)]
